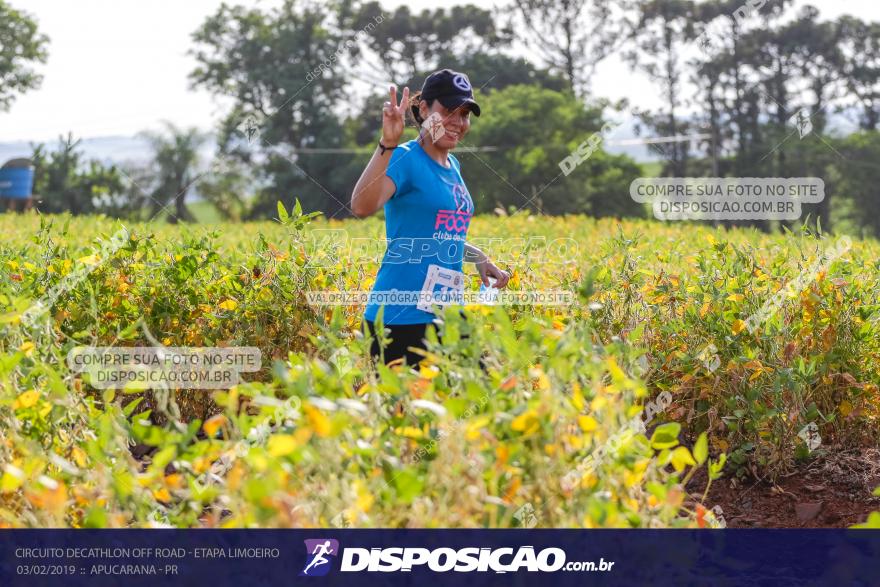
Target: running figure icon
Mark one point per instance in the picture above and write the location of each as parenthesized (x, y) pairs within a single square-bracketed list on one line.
[(321, 549)]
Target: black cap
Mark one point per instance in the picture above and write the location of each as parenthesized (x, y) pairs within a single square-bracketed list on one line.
[(451, 88)]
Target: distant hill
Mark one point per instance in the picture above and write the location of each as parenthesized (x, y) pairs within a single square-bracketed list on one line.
[(136, 150), (114, 149)]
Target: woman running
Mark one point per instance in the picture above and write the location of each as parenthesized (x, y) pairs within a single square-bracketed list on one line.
[(427, 212)]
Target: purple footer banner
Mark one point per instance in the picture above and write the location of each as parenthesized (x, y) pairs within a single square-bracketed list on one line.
[(436, 558)]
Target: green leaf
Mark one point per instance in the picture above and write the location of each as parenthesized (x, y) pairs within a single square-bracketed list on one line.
[(716, 467), (132, 406), (161, 459), (665, 435), (456, 406), (96, 517), (282, 213), (408, 484), (701, 449)]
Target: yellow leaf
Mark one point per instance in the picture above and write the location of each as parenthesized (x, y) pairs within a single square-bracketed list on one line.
[(281, 445), (364, 499), (587, 423), (162, 494), (681, 457), (527, 422), (429, 371), (409, 432), (473, 428), (514, 486), (26, 400), (614, 369), (704, 310), (12, 479), (319, 421), (79, 456), (845, 408), (89, 260), (735, 298), (27, 348), (738, 326), (229, 305), (541, 381), (213, 424), (577, 397)]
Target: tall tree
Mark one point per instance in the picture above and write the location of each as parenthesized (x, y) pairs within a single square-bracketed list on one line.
[(820, 62), (860, 47), (402, 44), (660, 33), (283, 69), (21, 46), (729, 92), (571, 36)]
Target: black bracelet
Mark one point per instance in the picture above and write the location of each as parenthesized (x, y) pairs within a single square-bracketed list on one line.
[(384, 148)]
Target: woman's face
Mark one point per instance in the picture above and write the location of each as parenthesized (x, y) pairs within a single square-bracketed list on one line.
[(456, 123)]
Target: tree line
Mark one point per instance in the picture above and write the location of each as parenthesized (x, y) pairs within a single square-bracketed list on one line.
[(753, 83)]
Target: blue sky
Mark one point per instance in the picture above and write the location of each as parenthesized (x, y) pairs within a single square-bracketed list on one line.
[(117, 67)]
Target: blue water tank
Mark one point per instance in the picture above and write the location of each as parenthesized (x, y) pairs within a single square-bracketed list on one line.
[(16, 182)]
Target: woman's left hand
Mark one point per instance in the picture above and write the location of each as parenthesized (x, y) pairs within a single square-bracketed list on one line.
[(488, 269)]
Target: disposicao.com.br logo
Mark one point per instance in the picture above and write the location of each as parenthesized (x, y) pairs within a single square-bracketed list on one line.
[(442, 560)]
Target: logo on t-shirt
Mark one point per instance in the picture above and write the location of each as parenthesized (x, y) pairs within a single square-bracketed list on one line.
[(456, 220)]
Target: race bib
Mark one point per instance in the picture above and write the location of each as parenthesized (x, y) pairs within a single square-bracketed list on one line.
[(442, 287)]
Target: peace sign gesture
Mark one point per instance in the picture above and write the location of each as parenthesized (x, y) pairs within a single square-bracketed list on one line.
[(393, 117)]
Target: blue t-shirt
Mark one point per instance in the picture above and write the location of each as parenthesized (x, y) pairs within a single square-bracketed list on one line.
[(426, 223)]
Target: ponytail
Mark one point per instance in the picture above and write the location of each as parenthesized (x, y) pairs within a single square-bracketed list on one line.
[(414, 102)]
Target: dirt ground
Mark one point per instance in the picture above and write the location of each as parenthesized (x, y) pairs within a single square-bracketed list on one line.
[(834, 490)]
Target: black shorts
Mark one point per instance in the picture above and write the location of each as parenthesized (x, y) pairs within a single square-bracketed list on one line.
[(404, 336)]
